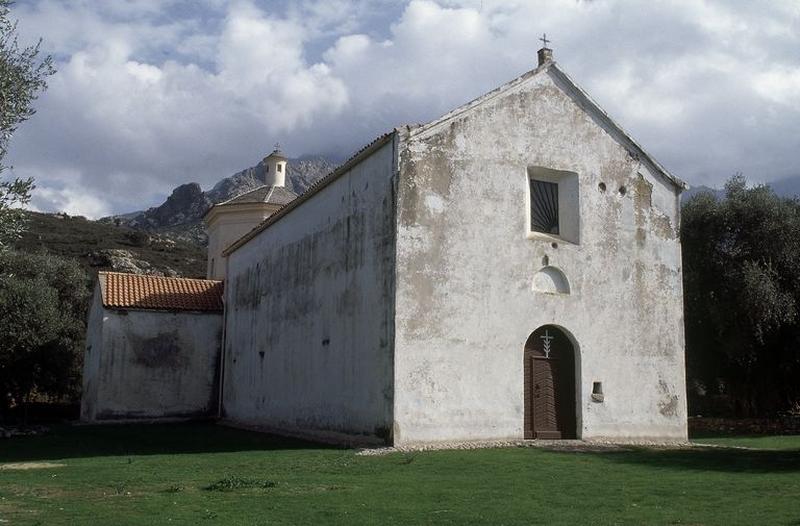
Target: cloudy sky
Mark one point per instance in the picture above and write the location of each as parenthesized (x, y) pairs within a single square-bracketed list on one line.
[(150, 94)]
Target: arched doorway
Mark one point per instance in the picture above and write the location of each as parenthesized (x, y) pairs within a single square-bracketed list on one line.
[(549, 363)]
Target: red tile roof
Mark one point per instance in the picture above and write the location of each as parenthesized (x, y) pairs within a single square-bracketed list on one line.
[(137, 291)]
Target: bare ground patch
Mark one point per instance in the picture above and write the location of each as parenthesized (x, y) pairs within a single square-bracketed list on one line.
[(23, 466)]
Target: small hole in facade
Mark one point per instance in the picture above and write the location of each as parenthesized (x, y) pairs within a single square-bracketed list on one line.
[(597, 392), (622, 190), (602, 187), (554, 244)]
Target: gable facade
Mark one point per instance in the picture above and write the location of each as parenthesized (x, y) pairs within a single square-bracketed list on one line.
[(474, 279)]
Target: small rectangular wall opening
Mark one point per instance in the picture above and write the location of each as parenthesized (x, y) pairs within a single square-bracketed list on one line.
[(597, 391)]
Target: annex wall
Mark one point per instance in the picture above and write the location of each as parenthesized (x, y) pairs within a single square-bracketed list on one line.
[(309, 327), (91, 357), (150, 364), (472, 281)]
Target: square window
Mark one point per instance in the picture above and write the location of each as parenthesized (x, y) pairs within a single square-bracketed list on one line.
[(553, 205), (544, 207)]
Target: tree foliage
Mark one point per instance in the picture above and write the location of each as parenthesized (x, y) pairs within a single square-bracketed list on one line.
[(43, 301), (23, 75), (741, 257), (14, 195)]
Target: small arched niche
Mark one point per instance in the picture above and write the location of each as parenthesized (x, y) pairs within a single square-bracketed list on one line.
[(550, 280)]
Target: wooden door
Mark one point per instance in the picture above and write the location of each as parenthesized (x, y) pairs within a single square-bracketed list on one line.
[(549, 386), (545, 412)]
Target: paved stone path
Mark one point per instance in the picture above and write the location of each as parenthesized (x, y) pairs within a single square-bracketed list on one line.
[(559, 445)]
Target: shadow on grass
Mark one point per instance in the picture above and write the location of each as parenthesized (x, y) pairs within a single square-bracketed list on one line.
[(719, 459), (65, 441)]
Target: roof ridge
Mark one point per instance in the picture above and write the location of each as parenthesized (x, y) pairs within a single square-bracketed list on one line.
[(458, 110), (152, 276), (563, 77), (580, 92), (269, 194)]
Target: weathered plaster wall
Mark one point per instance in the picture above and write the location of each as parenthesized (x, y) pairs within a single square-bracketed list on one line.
[(91, 356), (309, 313), (228, 226), (151, 365), (466, 265)]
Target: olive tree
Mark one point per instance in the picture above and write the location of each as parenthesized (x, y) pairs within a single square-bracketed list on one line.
[(43, 299), (23, 74), (741, 258)]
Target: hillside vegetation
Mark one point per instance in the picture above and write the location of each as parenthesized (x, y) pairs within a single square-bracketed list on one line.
[(104, 246)]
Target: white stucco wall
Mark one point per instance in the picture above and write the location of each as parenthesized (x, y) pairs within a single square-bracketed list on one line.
[(91, 357), (309, 313), (466, 265), (150, 364)]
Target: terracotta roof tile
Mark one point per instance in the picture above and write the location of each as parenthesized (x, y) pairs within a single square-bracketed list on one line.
[(137, 291)]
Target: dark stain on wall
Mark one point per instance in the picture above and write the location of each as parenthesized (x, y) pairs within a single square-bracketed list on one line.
[(668, 405), (313, 289), (161, 351)]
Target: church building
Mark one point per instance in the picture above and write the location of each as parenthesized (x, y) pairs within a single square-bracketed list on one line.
[(509, 270)]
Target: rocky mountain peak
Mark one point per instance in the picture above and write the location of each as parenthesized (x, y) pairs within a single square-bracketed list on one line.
[(182, 213), (186, 204)]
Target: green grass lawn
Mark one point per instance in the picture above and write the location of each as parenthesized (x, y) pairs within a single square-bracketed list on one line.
[(787, 442), (205, 474)]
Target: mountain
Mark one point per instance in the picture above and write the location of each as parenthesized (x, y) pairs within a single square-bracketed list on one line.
[(102, 246), (180, 216), (788, 187)]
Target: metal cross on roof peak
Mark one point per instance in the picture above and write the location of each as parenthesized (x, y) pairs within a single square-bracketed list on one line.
[(544, 39), (277, 146)]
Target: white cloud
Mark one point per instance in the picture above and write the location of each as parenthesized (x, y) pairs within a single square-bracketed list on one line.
[(152, 94), (134, 129), (780, 85), (69, 200)]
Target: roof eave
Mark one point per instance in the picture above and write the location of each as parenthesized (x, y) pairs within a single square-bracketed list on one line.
[(236, 207), (601, 113), (154, 309), (587, 103), (413, 131)]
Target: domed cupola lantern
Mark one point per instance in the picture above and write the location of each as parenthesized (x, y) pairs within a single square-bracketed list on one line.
[(275, 168)]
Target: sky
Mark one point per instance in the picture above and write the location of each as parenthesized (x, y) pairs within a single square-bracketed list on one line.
[(151, 94)]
